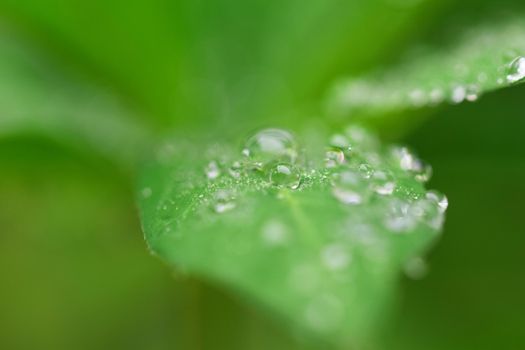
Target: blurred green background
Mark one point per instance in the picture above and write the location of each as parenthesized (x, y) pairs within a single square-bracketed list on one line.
[(74, 270)]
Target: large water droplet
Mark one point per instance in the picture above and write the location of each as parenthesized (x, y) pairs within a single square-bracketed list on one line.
[(270, 145), (285, 175), (516, 70)]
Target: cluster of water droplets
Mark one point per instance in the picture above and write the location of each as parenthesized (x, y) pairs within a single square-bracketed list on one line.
[(402, 89), (377, 193), (269, 159)]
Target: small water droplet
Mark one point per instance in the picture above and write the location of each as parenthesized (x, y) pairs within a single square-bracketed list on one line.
[(366, 170), (440, 199), (335, 257), (270, 145), (224, 201), (347, 186), (212, 170), (416, 268), (333, 157), (274, 232), (472, 93), (146, 192), (409, 162), (285, 175), (398, 216), (516, 70), (459, 93), (383, 182), (235, 170)]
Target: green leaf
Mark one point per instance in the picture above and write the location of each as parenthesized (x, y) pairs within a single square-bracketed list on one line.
[(483, 59), (36, 97), (319, 236)]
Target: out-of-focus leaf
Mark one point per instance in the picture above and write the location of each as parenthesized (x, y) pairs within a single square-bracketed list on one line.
[(318, 241), (247, 60), (483, 59), (36, 97)]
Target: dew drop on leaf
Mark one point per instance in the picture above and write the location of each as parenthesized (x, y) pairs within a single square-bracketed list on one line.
[(347, 186), (459, 94), (270, 145), (516, 70), (440, 199), (334, 156), (398, 217), (212, 170), (235, 170), (224, 200), (472, 93), (285, 175)]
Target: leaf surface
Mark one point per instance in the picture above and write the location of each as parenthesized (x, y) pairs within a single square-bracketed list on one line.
[(318, 236), (483, 59)]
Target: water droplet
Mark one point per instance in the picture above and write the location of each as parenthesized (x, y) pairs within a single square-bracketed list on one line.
[(383, 182), (398, 216), (285, 175), (416, 268), (459, 93), (146, 192), (417, 98), (212, 170), (270, 145), (224, 201), (409, 162), (440, 199), (472, 93), (235, 170), (516, 70), (347, 186), (333, 157), (366, 170), (335, 257), (274, 232)]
